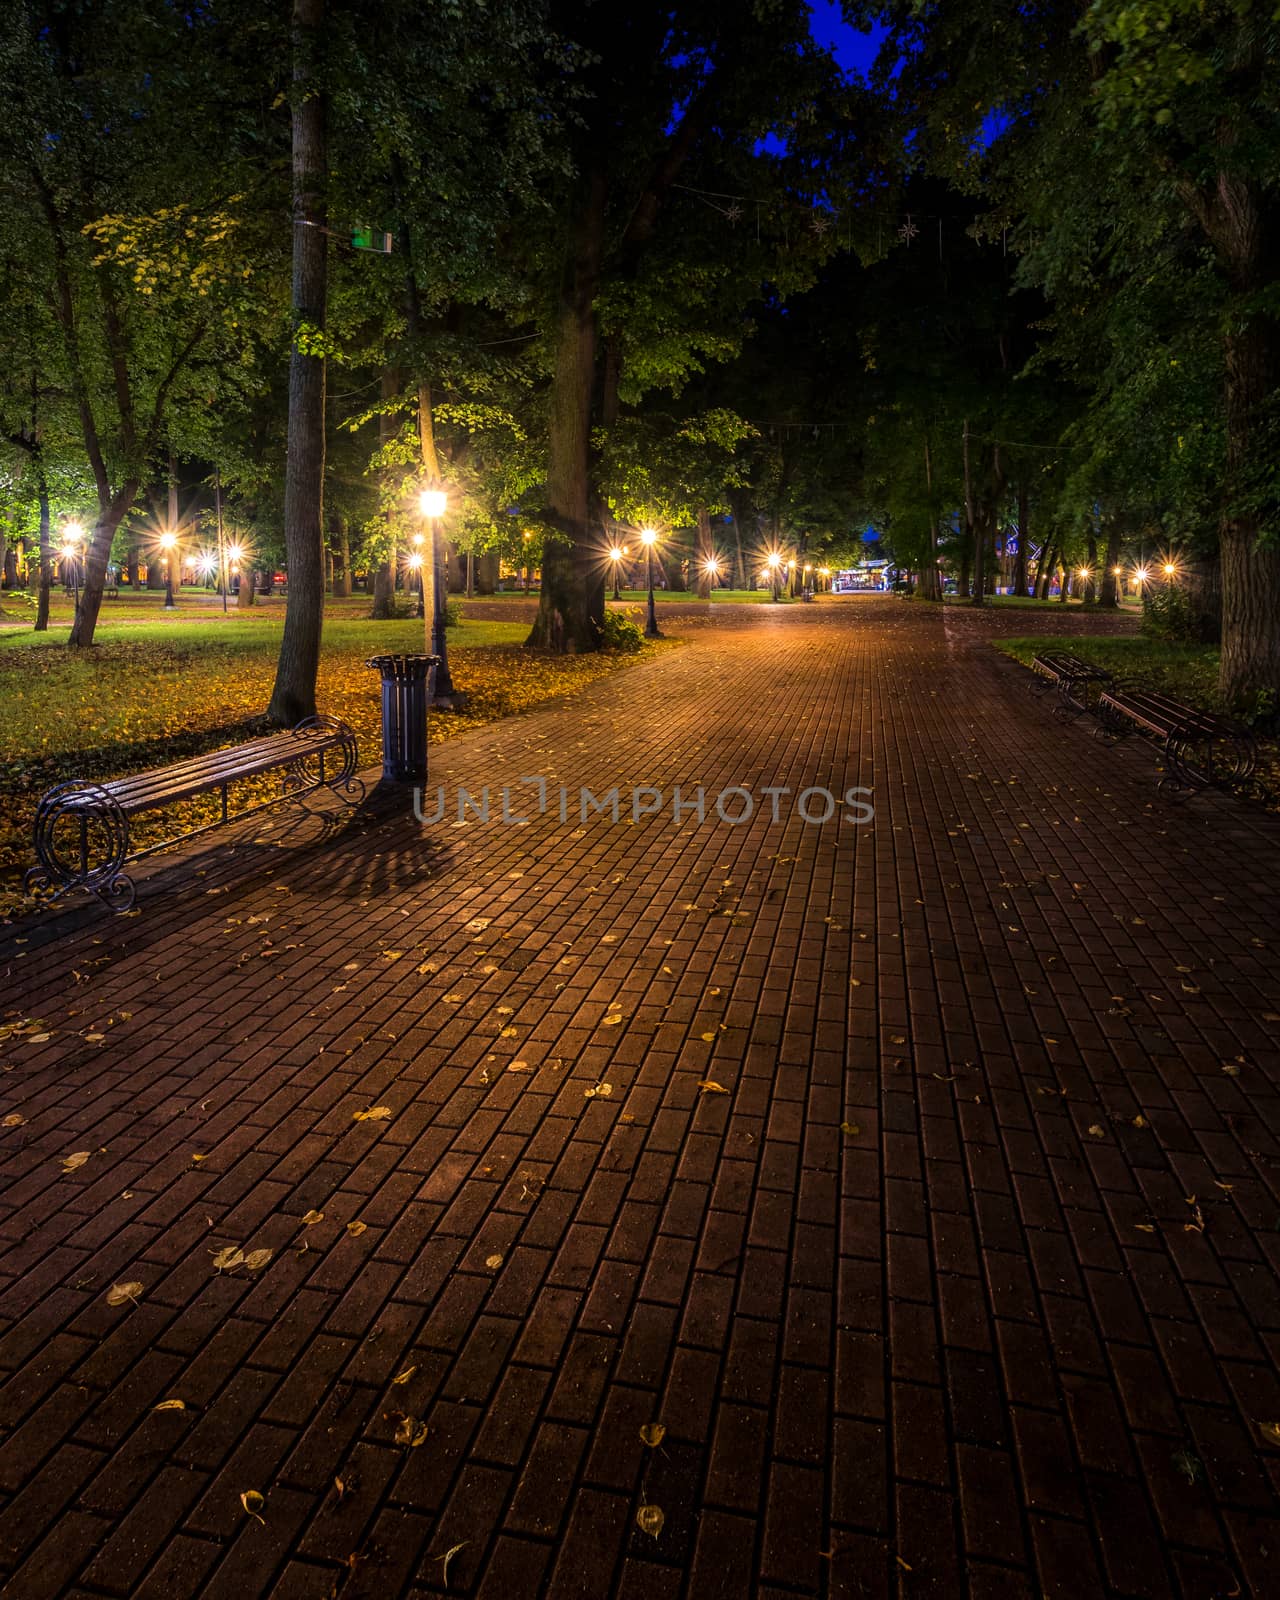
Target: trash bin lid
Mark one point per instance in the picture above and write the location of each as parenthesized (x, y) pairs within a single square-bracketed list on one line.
[(403, 666)]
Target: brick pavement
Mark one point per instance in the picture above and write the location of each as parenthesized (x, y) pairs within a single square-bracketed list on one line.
[(923, 1300)]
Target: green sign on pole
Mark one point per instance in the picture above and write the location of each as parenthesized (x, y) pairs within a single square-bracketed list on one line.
[(367, 239)]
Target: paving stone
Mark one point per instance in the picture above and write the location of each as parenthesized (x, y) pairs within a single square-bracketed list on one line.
[(916, 1299)]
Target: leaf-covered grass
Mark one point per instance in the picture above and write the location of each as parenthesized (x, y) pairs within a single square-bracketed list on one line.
[(150, 693)]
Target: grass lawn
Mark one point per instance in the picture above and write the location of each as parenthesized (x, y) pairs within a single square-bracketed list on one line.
[(1025, 602), (1186, 672), (687, 597), (150, 692)]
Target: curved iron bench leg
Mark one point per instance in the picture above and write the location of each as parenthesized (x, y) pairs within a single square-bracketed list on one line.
[(349, 789), (98, 861)]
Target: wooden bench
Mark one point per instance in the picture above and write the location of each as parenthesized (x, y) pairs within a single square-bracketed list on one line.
[(1075, 680), (1201, 750), (81, 832)]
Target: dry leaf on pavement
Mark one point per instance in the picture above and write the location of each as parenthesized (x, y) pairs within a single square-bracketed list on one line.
[(649, 1519)]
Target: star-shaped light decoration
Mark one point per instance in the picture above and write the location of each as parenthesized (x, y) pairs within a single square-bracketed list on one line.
[(733, 213), (908, 231)]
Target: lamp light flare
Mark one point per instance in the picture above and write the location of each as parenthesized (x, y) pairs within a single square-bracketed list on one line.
[(648, 536), (1169, 569), (615, 554), (235, 552), (774, 562), (72, 533), (433, 502), (415, 560), (1141, 574)]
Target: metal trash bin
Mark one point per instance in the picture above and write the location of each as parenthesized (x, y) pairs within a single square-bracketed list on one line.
[(406, 694)]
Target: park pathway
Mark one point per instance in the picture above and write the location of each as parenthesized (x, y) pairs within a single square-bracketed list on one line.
[(965, 1285)]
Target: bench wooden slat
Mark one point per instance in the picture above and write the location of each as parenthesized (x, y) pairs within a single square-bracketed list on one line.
[(100, 812), (198, 774)]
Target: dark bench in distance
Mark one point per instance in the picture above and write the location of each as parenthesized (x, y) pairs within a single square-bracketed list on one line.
[(1076, 681)]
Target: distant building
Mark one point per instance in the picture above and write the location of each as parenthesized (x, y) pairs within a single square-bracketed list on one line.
[(866, 575)]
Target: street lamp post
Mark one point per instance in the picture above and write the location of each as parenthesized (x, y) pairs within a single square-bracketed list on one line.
[(711, 567), (415, 565), (651, 629), (433, 504), (615, 555), (168, 542), (774, 565)]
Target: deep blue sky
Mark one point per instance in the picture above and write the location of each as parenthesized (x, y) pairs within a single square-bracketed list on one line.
[(854, 51)]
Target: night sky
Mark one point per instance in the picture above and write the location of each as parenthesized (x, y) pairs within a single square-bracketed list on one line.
[(854, 50)]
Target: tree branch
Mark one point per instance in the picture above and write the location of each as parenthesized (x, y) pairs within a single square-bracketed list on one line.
[(166, 383), (64, 307)]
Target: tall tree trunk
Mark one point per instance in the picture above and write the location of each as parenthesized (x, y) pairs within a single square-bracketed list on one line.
[(571, 604), (342, 556), (294, 695), (1250, 660), (977, 596), (1044, 570), (46, 551), (1109, 592), (95, 563), (1024, 527), (930, 578)]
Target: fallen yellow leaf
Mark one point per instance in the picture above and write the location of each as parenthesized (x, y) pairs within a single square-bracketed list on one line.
[(649, 1519)]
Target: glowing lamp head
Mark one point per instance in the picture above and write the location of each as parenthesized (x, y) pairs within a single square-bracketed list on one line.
[(1084, 572), (234, 552), (711, 567), (1169, 569), (168, 540), (72, 533), (648, 536), (792, 562), (433, 502), (415, 560), (1141, 574), (824, 572), (774, 562), (615, 554)]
